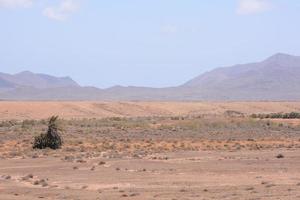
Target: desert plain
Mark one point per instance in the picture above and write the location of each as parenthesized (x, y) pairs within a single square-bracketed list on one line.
[(150, 150)]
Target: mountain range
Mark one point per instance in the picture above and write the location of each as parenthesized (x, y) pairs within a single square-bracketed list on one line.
[(276, 78)]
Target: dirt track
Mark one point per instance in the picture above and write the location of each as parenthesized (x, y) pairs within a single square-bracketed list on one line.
[(42, 110)]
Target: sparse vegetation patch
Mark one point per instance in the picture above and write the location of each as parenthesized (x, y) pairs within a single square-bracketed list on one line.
[(291, 115)]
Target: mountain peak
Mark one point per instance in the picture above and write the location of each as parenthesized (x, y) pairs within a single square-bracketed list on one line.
[(280, 57)]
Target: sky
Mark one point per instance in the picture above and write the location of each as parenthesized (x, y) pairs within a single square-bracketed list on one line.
[(153, 43)]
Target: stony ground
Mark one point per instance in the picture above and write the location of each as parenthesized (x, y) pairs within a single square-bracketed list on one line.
[(183, 175)]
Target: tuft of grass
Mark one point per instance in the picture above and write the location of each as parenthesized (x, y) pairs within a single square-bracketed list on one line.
[(28, 123)]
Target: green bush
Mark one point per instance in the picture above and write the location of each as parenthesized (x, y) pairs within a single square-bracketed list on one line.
[(52, 139)]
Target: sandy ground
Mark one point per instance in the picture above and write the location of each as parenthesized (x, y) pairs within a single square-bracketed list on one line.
[(42, 110), (183, 175)]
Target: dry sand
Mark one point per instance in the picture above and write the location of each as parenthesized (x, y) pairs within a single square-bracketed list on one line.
[(185, 175), (42, 110)]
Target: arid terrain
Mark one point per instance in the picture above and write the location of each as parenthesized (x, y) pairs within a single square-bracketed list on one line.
[(151, 150), (21, 110)]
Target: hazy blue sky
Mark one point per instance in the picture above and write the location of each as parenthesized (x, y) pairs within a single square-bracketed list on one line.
[(142, 42)]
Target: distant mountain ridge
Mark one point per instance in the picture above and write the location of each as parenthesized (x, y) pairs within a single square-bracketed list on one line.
[(29, 79), (276, 78)]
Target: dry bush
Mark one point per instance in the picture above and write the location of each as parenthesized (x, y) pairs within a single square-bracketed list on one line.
[(52, 139), (8, 123)]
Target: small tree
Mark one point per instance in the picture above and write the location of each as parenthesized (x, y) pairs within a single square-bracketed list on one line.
[(52, 139)]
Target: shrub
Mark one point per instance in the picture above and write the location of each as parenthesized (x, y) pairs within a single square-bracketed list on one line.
[(291, 115), (52, 139)]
